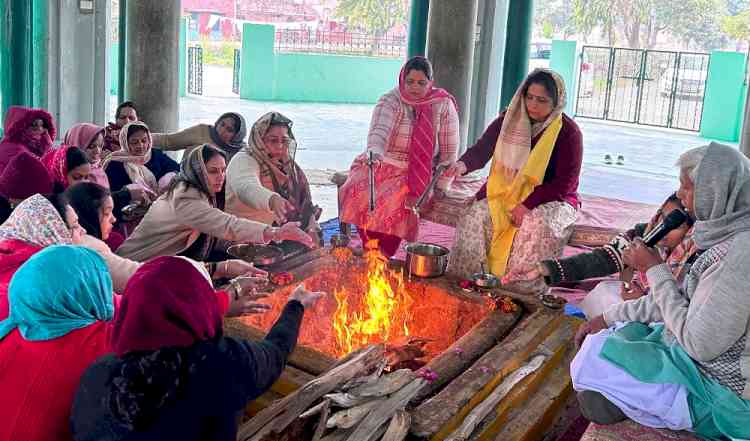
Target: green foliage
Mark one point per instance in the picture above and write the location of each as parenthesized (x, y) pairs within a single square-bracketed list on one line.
[(375, 16), (219, 52), (738, 26)]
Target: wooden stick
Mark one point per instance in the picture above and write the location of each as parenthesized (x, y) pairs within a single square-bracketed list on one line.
[(276, 418), (322, 423), (485, 407), (399, 426), (366, 430)]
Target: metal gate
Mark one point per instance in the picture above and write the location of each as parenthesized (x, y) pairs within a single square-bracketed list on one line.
[(236, 73), (195, 70), (657, 88)]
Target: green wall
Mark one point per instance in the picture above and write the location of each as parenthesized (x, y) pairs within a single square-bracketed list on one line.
[(23, 54), (114, 72), (270, 76), (563, 61), (723, 103)]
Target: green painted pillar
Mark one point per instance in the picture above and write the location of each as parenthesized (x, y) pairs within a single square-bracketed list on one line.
[(122, 31), (722, 104), (183, 56), (418, 27), (258, 62), (23, 54), (563, 61), (517, 41)]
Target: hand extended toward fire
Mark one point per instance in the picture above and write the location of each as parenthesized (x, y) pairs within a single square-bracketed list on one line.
[(243, 296), (235, 268), (307, 298)]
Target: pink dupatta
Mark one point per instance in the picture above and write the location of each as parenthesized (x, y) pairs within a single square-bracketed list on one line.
[(422, 142)]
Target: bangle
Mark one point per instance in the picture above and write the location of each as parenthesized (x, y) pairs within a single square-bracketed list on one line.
[(226, 267)]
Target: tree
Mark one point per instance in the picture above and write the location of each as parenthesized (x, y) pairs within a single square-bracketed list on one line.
[(591, 14), (554, 18), (738, 26), (375, 16)]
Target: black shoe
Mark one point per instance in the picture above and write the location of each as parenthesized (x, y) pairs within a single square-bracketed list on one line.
[(598, 409)]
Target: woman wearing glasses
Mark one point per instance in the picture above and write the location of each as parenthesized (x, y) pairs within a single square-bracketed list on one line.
[(265, 184)]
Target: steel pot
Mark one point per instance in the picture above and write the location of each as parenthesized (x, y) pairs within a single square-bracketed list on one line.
[(485, 280), (426, 259)]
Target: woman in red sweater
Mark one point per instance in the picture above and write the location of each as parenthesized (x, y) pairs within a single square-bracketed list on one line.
[(61, 311), (526, 211)]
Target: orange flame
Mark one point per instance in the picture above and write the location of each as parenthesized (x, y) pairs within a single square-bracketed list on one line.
[(382, 314)]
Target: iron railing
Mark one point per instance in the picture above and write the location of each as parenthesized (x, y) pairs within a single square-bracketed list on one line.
[(236, 72), (345, 43), (195, 70), (659, 88)]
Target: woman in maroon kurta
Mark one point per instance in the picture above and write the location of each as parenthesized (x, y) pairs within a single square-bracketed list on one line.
[(545, 218)]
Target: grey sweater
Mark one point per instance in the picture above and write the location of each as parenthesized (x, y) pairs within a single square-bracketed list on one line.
[(708, 316)]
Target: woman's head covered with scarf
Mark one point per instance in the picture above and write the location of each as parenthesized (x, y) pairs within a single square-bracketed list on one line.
[(24, 177), (194, 173), (32, 128), (153, 333), (58, 290), (416, 88), (134, 153), (67, 165), (229, 132), (525, 118), (37, 221), (715, 188), (275, 149)]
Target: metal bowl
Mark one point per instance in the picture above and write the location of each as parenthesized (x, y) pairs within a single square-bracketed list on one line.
[(257, 254), (426, 259), (485, 280)]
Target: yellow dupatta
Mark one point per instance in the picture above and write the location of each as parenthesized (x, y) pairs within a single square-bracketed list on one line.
[(503, 195)]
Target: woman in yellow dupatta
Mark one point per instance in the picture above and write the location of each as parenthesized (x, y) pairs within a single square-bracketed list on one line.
[(528, 207)]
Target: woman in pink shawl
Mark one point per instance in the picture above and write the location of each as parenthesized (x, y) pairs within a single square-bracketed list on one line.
[(90, 139), (414, 128)]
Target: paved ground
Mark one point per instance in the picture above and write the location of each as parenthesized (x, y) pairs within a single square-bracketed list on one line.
[(331, 135)]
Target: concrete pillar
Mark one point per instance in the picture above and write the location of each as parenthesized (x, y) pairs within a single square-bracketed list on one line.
[(745, 136), (78, 49), (418, 27), (152, 63), (450, 48), (488, 66), (518, 38)]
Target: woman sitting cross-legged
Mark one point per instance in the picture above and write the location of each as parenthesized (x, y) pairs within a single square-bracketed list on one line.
[(173, 375), (93, 204), (414, 128), (678, 358), (677, 247), (265, 184), (188, 219), (526, 210)]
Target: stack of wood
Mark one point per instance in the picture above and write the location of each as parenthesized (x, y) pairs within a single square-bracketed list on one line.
[(356, 400)]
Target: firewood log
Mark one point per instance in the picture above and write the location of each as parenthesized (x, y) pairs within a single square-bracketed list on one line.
[(485, 407), (318, 408), (321, 428), (276, 418), (386, 385), (398, 427), (348, 418), (379, 416), (468, 349)]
